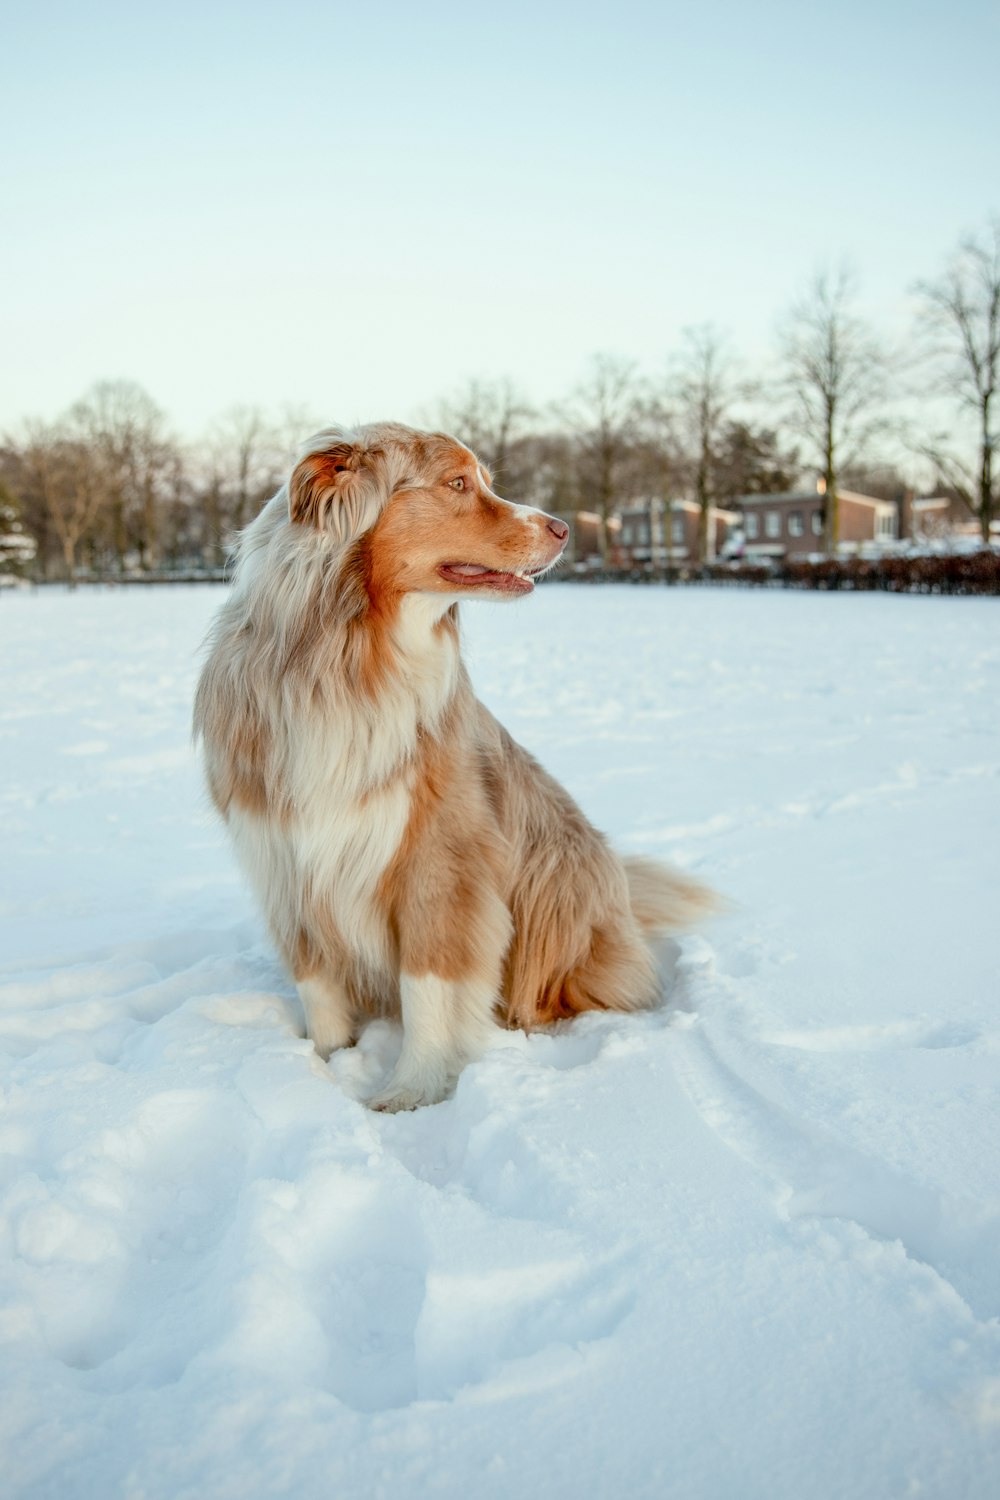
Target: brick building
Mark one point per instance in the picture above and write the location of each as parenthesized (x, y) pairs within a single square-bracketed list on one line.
[(637, 532), (792, 525)]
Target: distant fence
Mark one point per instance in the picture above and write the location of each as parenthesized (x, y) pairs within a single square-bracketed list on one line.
[(966, 573)]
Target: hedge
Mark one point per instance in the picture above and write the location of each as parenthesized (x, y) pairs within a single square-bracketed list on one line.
[(965, 573)]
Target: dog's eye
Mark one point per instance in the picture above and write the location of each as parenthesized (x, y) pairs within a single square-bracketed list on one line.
[(456, 484)]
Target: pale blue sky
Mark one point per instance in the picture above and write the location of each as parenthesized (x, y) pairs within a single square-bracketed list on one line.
[(355, 207)]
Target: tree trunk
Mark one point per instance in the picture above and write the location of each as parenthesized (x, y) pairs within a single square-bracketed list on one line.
[(831, 503), (986, 477), (69, 560), (658, 518), (606, 499), (211, 549), (150, 528), (119, 532), (704, 504)]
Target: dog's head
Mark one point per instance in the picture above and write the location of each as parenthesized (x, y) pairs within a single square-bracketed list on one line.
[(424, 510)]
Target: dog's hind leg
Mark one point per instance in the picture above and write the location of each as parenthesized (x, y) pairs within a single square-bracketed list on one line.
[(616, 973), (330, 1021)]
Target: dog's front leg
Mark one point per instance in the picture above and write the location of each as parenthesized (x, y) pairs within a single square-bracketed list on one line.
[(329, 1016), (446, 1023)]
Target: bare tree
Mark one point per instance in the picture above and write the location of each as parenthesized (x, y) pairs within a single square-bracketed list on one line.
[(248, 453), (654, 465), (704, 389), (961, 323), (237, 467), (181, 516), (124, 430), (64, 479), (208, 474), (604, 411), (542, 471), (489, 416), (835, 374)]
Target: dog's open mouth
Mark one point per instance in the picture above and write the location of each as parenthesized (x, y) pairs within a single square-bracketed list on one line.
[(472, 575)]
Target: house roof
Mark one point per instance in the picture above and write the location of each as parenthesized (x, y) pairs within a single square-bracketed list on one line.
[(789, 497), (640, 508), (713, 510)]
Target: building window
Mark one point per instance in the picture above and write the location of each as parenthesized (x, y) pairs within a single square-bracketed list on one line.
[(795, 523), (677, 530), (817, 523), (885, 526), (753, 526), (772, 523)]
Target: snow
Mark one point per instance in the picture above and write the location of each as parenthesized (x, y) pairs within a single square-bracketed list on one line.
[(748, 1245)]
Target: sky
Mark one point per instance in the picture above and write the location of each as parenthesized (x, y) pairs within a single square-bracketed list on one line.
[(357, 208)]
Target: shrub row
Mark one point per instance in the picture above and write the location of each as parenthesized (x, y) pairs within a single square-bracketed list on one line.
[(965, 573)]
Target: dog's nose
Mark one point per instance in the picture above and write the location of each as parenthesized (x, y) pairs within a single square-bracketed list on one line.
[(558, 528)]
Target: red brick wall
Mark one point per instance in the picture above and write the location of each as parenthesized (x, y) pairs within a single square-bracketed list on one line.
[(800, 546), (857, 522)]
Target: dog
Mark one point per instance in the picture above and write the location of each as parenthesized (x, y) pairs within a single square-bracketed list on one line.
[(412, 859)]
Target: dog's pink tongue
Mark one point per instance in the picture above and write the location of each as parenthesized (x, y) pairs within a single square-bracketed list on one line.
[(467, 570)]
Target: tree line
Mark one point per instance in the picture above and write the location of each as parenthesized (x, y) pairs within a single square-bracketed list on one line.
[(108, 488)]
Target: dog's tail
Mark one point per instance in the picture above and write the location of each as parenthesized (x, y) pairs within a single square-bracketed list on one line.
[(667, 900)]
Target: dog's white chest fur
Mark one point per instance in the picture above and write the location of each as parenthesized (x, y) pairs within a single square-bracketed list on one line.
[(349, 778), (345, 830)]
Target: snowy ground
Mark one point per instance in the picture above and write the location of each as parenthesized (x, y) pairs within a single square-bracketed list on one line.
[(747, 1246)]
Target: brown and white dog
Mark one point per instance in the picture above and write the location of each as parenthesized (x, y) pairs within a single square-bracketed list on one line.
[(410, 857)]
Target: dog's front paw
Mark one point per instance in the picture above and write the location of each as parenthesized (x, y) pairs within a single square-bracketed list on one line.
[(401, 1094)]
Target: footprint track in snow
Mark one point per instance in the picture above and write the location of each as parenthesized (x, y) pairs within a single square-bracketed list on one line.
[(818, 1176), (100, 1002), (279, 1221)]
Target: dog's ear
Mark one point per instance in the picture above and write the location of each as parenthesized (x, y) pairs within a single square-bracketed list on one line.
[(335, 490)]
